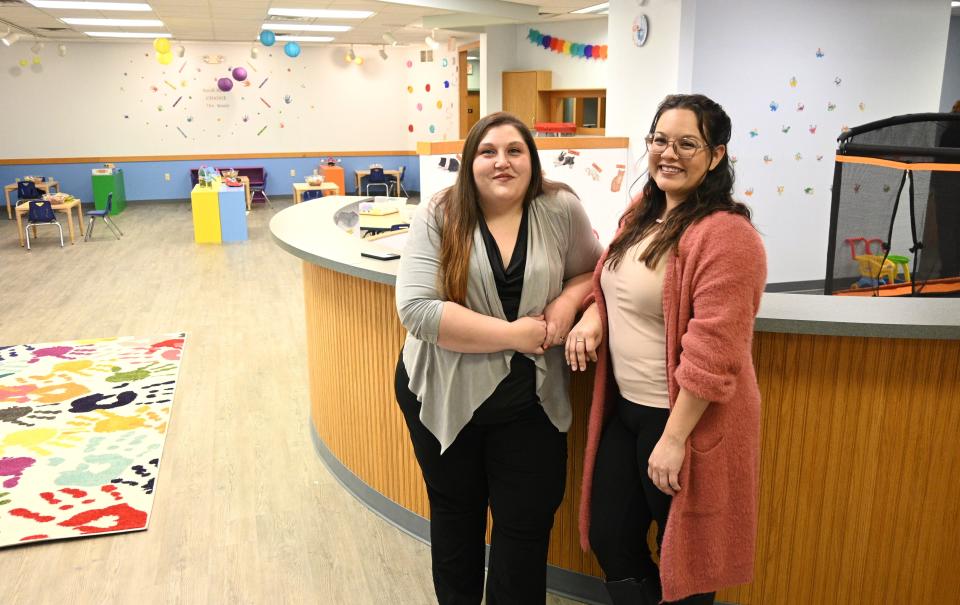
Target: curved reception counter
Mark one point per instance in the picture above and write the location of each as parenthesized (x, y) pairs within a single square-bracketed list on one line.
[(860, 497)]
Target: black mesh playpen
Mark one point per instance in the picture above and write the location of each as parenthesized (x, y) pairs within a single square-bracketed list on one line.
[(895, 213)]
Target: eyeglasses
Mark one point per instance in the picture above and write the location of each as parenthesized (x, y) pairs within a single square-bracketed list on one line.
[(684, 147)]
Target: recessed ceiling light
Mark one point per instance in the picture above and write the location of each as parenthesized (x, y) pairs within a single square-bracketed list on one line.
[(955, 4), (319, 13), (128, 35), (305, 38), (591, 10), (296, 27), (114, 22), (99, 6)]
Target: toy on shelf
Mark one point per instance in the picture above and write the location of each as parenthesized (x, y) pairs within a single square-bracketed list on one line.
[(877, 269), (207, 176)]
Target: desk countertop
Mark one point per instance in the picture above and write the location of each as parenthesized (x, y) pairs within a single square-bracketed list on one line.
[(308, 231)]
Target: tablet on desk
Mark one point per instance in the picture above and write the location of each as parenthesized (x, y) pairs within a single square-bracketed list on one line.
[(380, 255)]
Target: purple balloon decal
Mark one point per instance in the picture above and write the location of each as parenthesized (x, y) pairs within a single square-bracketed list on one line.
[(225, 84)]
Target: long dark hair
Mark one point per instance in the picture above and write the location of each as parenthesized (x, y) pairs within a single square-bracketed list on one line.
[(714, 193), (459, 206)]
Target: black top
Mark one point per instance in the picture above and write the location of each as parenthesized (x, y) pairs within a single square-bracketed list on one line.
[(518, 390)]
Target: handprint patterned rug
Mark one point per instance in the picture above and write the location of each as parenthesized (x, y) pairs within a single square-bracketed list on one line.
[(82, 425)]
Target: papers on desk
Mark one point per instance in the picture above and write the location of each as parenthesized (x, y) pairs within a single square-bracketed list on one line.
[(393, 242)]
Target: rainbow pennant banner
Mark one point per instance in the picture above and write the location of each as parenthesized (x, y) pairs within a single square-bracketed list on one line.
[(573, 49)]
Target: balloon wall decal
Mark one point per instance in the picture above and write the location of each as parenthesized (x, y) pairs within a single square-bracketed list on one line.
[(267, 37), (573, 49), (292, 49)]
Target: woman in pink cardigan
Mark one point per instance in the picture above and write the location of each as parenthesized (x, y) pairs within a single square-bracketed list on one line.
[(674, 433)]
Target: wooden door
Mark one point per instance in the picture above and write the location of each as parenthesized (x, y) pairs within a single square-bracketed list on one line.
[(520, 95)]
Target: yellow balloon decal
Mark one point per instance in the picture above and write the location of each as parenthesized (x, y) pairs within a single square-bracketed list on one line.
[(439, 104), (24, 62), (161, 45), (165, 58)]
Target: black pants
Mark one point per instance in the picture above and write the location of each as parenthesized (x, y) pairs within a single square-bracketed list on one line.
[(519, 468), (624, 500)]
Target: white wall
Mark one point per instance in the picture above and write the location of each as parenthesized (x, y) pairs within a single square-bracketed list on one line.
[(639, 77), (116, 99), (951, 70), (568, 72), (498, 50), (592, 175), (887, 54)]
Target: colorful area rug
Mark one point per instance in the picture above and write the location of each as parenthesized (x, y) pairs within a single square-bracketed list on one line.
[(82, 425)]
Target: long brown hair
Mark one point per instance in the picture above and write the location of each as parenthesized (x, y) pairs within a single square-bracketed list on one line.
[(712, 195), (458, 207)]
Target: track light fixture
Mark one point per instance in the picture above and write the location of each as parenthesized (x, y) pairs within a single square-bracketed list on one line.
[(389, 39), (431, 40), (351, 56), (383, 52)]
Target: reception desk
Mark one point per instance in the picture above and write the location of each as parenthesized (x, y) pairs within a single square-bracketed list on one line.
[(859, 497)]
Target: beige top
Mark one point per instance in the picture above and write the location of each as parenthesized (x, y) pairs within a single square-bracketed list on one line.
[(638, 347)]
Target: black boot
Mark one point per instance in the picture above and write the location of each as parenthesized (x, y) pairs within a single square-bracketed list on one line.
[(633, 592), (706, 598)]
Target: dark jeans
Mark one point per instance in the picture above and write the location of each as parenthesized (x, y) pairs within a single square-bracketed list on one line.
[(624, 500), (519, 469)]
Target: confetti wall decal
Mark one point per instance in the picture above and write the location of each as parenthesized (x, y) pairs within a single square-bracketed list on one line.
[(182, 132)]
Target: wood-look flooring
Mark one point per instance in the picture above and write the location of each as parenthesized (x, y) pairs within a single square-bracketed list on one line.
[(244, 512)]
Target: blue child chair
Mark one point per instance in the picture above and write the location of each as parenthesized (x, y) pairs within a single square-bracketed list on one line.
[(41, 213), (398, 182), (27, 190), (311, 194), (105, 215), (378, 179)]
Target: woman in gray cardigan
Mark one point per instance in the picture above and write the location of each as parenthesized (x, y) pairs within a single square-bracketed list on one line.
[(490, 281)]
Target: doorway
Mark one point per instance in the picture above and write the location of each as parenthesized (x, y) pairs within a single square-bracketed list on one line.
[(469, 57)]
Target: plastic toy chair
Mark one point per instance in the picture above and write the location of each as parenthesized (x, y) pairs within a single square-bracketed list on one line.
[(41, 213), (901, 262), (105, 215)]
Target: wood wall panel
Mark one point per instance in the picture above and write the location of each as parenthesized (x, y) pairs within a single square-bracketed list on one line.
[(859, 497)]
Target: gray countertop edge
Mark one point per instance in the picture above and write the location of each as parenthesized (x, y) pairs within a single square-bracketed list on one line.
[(908, 318), (340, 267)]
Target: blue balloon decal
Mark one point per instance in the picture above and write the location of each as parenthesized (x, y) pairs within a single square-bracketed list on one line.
[(267, 37), (546, 41), (587, 50), (292, 49)]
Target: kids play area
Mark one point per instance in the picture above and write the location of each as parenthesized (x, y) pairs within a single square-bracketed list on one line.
[(204, 204)]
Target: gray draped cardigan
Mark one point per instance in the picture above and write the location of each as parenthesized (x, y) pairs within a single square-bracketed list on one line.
[(451, 385)]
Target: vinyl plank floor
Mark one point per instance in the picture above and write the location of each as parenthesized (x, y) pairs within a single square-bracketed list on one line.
[(244, 510)]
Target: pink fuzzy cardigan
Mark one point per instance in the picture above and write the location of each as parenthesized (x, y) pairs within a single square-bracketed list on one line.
[(711, 293)]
